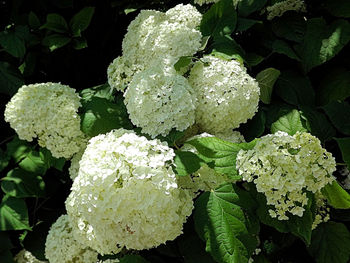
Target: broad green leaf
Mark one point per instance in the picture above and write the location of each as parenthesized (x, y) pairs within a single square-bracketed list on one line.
[(220, 20), (246, 7), (4, 160), (33, 20), (18, 149), (13, 214), (282, 47), (339, 114), (13, 43), (81, 20), (56, 23), (101, 91), (336, 196), (276, 111), (244, 24), (289, 123), (295, 89), (253, 59), (290, 26), (317, 124), (101, 116), (339, 8), (227, 48), (266, 80), (186, 163), (182, 63), (35, 162), (133, 259), (28, 66), (20, 183), (55, 41), (330, 243), (79, 43), (334, 86), (223, 220), (322, 42), (344, 145), (255, 127), (10, 79), (172, 138), (220, 155)]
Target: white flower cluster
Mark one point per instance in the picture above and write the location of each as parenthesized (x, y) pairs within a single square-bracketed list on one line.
[(284, 168), (47, 111), (206, 178), (24, 256), (279, 8), (158, 98), (345, 173), (158, 101), (202, 2), (61, 246), (322, 210), (226, 95), (126, 194)]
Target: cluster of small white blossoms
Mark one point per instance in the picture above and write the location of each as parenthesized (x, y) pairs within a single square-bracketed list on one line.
[(345, 173), (158, 98), (284, 168), (226, 95), (202, 2), (322, 210), (278, 9), (61, 246), (206, 178), (47, 111), (24, 256), (126, 194)]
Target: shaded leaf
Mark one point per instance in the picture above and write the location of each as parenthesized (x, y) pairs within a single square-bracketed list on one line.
[(13, 214), (255, 127), (246, 7), (344, 145), (227, 48), (79, 43), (81, 20), (55, 41), (56, 23), (291, 26), (282, 47), (339, 8), (339, 115), (13, 43), (289, 123), (133, 259), (33, 20), (266, 80), (10, 79), (336, 196), (244, 24), (186, 163), (182, 62)]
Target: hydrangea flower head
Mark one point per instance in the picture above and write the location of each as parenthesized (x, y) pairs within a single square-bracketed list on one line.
[(284, 168), (24, 256), (226, 95), (279, 8), (61, 247), (47, 111), (126, 194)]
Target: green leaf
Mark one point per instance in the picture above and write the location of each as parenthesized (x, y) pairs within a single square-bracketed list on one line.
[(81, 20), (56, 23), (28, 66), (221, 219), (20, 183), (243, 24), (317, 124), (79, 43), (266, 80), (101, 91), (322, 42), (254, 127), (344, 146), (227, 48), (289, 123), (35, 162), (33, 20), (246, 7), (55, 41), (253, 59), (186, 163), (18, 149), (336, 196), (330, 243), (339, 8), (220, 155), (339, 114), (10, 79), (182, 63), (13, 214), (220, 20), (4, 160), (282, 47), (13, 43), (295, 88), (133, 259), (334, 86), (173, 136), (291, 26), (101, 116)]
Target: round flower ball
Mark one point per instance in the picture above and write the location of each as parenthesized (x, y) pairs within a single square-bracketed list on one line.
[(61, 247), (158, 100), (226, 95), (47, 111), (24, 256), (126, 194), (285, 168)]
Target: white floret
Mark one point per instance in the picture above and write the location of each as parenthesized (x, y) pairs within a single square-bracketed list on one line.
[(227, 96), (24, 256), (285, 168), (47, 111), (158, 100), (203, 2), (278, 9), (126, 194), (187, 15), (61, 247)]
